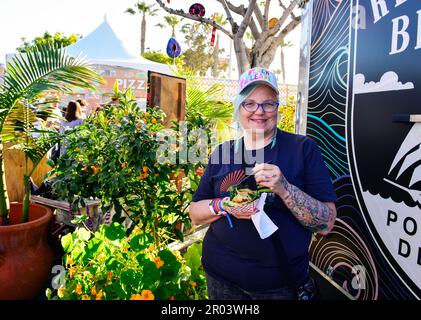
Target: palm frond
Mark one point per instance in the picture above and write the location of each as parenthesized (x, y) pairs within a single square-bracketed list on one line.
[(45, 67)]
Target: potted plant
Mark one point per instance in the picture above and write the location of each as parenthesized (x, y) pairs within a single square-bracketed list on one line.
[(25, 258)]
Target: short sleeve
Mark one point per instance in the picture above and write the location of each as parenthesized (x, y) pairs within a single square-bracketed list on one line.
[(318, 183), (205, 189)]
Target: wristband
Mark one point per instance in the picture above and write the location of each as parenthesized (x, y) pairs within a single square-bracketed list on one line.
[(214, 208)]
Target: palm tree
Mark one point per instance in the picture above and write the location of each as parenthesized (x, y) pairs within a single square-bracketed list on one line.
[(172, 22), (41, 68), (144, 9)]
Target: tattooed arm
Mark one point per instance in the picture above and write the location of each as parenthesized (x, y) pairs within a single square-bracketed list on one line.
[(313, 214)]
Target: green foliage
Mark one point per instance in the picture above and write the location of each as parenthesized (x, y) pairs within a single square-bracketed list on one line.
[(112, 156), (287, 115), (108, 265), (193, 260), (198, 57), (43, 67), (58, 39), (164, 58)]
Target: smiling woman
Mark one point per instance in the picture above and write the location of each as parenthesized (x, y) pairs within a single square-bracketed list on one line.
[(299, 201)]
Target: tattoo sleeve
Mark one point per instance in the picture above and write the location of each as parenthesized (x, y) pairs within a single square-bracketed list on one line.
[(311, 213)]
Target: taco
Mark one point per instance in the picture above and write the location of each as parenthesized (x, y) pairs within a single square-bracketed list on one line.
[(242, 195)]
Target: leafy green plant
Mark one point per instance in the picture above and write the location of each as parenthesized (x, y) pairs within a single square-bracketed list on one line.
[(287, 115), (40, 69), (198, 279), (112, 156), (107, 265)]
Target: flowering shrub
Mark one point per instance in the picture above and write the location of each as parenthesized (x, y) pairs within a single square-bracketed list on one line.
[(108, 265), (112, 157)]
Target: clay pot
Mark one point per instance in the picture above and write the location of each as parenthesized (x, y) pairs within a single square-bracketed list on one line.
[(25, 255)]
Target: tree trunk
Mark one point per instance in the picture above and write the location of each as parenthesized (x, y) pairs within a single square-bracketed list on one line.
[(240, 52), (142, 34)]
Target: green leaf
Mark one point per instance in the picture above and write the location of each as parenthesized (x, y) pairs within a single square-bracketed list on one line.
[(67, 242), (83, 234), (115, 231), (140, 241), (151, 274)]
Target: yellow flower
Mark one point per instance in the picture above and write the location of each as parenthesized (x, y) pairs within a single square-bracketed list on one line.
[(151, 247), (178, 255), (158, 262), (86, 297), (78, 289), (101, 256), (60, 292), (77, 149), (136, 297), (147, 295), (99, 295)]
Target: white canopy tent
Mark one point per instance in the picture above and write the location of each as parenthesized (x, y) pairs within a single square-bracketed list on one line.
[(102, 47)]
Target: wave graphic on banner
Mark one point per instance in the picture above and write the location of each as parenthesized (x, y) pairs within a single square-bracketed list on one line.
[(328, 83)]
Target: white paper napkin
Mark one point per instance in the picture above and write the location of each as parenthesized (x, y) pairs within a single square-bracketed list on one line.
[(264, 226)]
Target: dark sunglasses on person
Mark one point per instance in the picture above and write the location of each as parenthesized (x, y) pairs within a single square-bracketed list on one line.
[(267, 106)]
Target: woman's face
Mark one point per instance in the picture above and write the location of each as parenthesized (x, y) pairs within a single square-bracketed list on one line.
[(259, 119)]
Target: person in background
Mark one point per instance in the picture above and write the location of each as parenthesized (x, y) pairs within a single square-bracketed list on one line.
[(72, 119), (85, 107), (239, 263)]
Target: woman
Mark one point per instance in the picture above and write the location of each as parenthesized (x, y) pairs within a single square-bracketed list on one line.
[(73, 118), (239, 264)]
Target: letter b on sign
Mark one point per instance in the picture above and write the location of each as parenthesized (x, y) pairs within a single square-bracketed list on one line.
[(358, 281)]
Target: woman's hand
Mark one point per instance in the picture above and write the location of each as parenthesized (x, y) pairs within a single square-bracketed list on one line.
[(270, 176), (242, 212)]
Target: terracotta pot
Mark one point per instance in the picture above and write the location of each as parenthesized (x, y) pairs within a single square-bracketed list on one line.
[(25, 256)]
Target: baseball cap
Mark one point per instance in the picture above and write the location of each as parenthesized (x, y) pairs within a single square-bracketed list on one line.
[(257, 75)]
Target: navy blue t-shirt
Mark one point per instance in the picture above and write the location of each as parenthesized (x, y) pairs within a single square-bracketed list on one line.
[(238, 255)]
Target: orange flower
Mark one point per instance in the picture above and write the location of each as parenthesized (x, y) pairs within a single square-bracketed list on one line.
[(172, 298), (93, 291), (123, 165), (193, 284), (69, 261), (153, 121), (153, 133), (151, 247), (99, 295), (147, 295), (85, 169), (78, 289), (158, 262), (72, 272), (146, 114), (145, 169), (156, 174), (109, 276), (136, 297), (143, 176)]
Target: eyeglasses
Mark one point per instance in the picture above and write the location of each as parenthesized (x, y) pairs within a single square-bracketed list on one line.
[(267, 106)]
